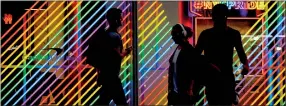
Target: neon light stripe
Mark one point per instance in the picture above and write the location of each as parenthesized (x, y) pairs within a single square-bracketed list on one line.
[(2, 54), (152, 49), (164, 89), (166, 85), (257, 63), (150, 24), (257, 31), (49, 59), (19, 55), (155, 37), (21, 18), (145, 38), (146, 2), (153, 54), (124, 27), (166, 103), (275, 87), (276, 95), (147, 10), (247, 50), (259, 86), (30, 26), (267, 87), (93, 32), (95, 100), (57, 77), (259, 78), (70, 99), (260, 51), (156, 10), (61, 84), (11, 72), (161, 99), (75, 86), (280, 99), (200, 100), (91, 96), (70, 39), (165, 61)]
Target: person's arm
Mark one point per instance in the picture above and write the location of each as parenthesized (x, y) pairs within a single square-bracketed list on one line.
[(124, 53), (241, 53), (116, 44)]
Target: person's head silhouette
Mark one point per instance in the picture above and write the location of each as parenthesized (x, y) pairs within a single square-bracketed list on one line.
[(219, 14), (114, 18), (181, 34)]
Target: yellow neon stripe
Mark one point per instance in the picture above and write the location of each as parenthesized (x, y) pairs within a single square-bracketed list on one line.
[(157, 25), (65, 78), (147, 10), (81, 89), (68, 76), (265, 13), (126, 42), (271, 91), (85, 93), (276, 95), (267, 87), (244, 95), (126, 32), (166, 103), (151, 23), (25, 41), (280, 99), (91, 95), (161, 99), (20, 37), (75, 86), (142, 24), (40, 43), (125, 60)]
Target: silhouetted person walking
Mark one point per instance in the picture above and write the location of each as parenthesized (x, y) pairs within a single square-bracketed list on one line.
[(218, 44), (108, 54), (187, 68)]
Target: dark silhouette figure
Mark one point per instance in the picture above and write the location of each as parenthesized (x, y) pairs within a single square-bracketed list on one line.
[(218, 44), (107, 59), (185, 72)]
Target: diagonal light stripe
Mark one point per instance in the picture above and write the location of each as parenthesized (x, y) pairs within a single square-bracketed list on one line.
[(280, 91), (160, 92), (13, 78), (247, 50), (268, 86), (280, 99), (91, 96), (164, 88), (265, 56), (28, 37), (258, 80), (57, 77), (156, 10), (146, 11), (30, 44), (75, 86), (161, 99), (261, 84), (20, 19), (280, 82), (49, 59), (2, 54)]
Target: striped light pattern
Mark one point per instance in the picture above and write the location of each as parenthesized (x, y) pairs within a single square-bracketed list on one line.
[(155, 48), (75, 50)]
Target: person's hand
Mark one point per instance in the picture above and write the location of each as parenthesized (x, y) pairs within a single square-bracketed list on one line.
[(128, 50), (245, 70)]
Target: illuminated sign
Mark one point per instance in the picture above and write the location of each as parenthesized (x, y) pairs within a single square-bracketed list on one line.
[(8, 18), (251, 5)]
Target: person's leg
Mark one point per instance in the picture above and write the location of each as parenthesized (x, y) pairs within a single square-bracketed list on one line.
[(104, 96), (172, 98), (117, 92)]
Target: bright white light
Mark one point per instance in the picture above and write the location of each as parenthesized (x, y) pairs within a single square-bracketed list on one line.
[(255, 38), (278, 48)]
